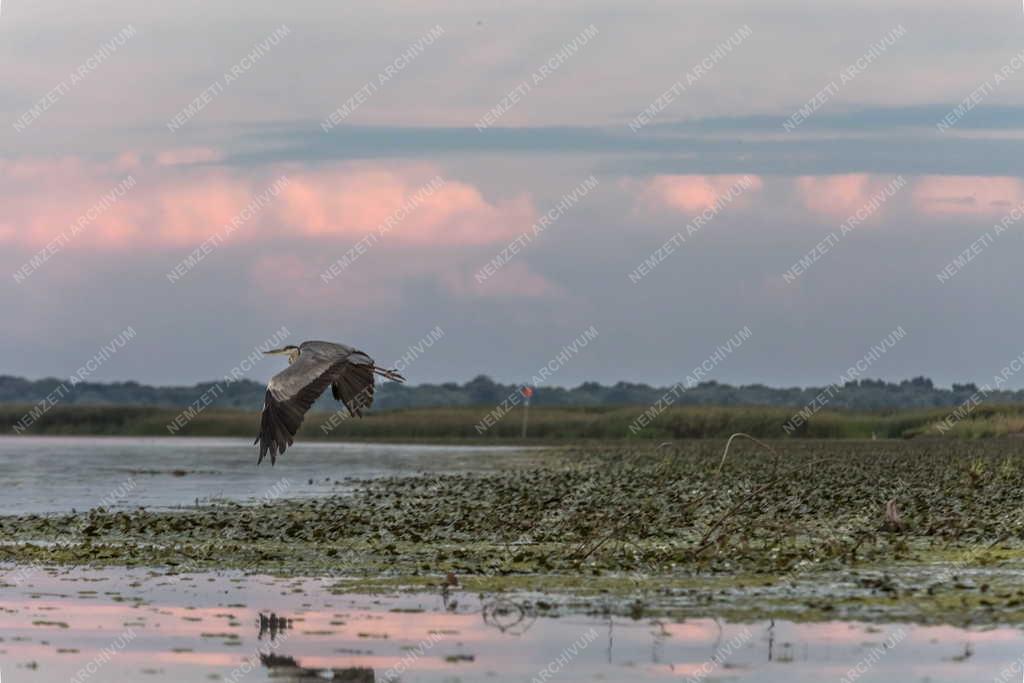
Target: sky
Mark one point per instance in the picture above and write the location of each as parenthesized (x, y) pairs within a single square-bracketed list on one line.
[(667, 173)]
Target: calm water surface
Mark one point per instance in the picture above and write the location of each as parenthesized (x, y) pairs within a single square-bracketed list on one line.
[(58, 474), (130, 626)]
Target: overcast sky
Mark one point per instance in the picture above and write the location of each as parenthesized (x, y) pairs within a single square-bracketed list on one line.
[(428, 139)]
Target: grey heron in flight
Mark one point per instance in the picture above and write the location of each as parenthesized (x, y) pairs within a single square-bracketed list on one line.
[(312, 366)]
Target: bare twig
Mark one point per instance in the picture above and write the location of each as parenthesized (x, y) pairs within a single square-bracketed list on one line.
[(728, 443)]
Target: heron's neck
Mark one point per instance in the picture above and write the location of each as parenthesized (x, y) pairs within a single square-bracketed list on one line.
[(293, 356)]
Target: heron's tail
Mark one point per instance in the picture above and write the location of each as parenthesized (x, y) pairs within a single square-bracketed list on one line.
[(392, 375)]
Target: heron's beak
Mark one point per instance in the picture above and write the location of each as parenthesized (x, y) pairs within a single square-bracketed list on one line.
[(274, 352)]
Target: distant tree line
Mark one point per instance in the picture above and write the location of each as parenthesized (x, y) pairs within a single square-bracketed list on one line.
[(865, 394)]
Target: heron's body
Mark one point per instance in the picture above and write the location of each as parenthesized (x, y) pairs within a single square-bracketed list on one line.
[(312, 366)]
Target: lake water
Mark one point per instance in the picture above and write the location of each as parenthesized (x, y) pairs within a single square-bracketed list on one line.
[(132, 626), (60, 625), (58, 474)]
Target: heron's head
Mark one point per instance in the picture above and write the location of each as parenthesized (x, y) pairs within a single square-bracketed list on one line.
[(291, 351)]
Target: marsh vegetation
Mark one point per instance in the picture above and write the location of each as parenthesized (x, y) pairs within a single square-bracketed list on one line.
[(546, 423), (860, 526)]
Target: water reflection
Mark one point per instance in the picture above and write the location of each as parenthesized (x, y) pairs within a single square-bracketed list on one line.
[(271, 625), (510, 617), (286, 669), (194, 628)]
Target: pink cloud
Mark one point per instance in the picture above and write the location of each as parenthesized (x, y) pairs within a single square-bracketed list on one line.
[(836, 195), (423, 207), (421, 226), (376, 285), (844, 196), (967, 195), (293, 279), (515, 279), (693, 193), (174, 204)]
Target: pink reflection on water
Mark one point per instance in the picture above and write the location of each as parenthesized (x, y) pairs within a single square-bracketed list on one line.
[(191, 629)]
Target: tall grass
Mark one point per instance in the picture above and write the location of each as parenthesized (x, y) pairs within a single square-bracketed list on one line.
[(546, 423)]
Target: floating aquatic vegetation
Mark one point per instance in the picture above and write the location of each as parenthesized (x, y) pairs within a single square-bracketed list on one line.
[(629, 519)]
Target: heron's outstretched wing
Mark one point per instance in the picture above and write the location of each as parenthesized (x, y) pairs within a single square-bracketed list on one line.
[(293, 391), (354, 387)]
